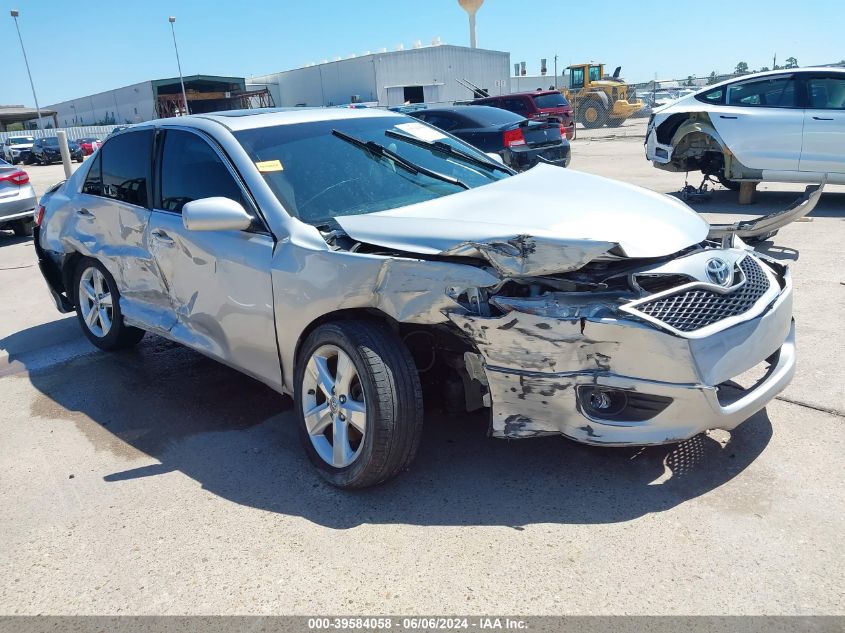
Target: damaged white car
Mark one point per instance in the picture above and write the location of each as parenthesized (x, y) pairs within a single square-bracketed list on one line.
[(367, 264), (778, 126)]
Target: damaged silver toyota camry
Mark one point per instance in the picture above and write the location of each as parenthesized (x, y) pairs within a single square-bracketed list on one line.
[(365, 263)]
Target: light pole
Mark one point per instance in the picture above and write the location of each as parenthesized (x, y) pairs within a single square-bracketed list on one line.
[(14, 13), (172, 19)]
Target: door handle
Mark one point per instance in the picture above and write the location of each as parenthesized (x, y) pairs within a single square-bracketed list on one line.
[(822, 118), (161, 236), (85, 213), (725, 116)]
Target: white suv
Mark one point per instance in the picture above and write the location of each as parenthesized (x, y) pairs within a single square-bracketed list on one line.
[(780, 126)]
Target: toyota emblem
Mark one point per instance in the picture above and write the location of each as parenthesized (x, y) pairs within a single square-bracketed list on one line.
[(718, 271)]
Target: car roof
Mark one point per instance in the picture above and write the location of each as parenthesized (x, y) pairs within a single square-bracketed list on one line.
[(527, 93), (236, 120), (458, 109), (770, 73)]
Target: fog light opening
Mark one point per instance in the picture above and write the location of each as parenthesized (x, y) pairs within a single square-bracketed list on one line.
[(604, 402)]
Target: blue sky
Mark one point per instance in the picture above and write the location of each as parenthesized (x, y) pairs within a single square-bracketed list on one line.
[(111, 44)]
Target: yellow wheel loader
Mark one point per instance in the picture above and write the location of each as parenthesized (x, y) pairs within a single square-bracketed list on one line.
[(598, 99)]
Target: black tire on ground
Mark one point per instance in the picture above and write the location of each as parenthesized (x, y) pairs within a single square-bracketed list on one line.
[(393, 396), (733, 185), (120, 335), (615, 122), (23, 228), (593, 115)]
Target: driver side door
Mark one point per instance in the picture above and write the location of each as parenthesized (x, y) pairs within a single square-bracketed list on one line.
[(218, 281)]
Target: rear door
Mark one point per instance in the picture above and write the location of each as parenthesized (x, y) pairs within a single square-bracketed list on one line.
[(824, 124), (762, 122), (218, 281), (110, 220)]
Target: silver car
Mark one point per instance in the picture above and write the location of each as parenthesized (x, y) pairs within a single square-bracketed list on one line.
[(17, 200), (366, 263)]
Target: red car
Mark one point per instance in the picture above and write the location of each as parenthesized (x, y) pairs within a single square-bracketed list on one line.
[(89, 144), (540, 104)]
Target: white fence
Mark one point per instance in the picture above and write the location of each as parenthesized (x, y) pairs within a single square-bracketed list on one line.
[(73, 133)]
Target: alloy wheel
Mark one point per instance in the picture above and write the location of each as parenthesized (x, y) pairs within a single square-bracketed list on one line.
[(95, 302), (333, 406)]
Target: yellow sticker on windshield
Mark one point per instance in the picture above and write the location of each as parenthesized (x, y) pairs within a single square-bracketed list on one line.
[(269, 165)]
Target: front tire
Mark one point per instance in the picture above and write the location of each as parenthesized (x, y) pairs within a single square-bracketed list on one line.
[(97, 301), (594, 115), (359, 402)]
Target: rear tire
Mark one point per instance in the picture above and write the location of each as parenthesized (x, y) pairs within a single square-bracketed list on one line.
[(354, 376), (97, 301)]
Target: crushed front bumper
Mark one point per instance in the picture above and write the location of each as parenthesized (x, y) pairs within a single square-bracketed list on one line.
[(540, 372), (657, 153)]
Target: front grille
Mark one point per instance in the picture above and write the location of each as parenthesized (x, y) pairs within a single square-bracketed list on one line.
[(694, 309)]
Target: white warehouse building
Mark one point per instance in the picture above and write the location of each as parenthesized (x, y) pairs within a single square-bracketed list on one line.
[(430, 74)]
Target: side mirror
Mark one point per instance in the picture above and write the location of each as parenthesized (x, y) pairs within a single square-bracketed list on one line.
[(215, 214)]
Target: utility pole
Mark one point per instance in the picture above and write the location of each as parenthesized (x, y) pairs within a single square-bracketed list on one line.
[(14, 13), (172, 19), (556, 71)]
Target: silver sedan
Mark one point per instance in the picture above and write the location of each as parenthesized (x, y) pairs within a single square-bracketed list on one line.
[(367, 264), (17, 200)]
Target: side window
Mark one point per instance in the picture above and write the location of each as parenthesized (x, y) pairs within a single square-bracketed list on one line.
[(516, 105), (126, 167), (576, 78), (713, 97), (827, 93), (190, 170), (93, 184), (771, 92)]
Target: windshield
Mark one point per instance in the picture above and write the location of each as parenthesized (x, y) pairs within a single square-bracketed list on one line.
[(21, 140), (551, 100), (317, 175)]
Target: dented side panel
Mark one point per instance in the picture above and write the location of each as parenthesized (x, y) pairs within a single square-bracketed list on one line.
[(310, 284), (220, 293)]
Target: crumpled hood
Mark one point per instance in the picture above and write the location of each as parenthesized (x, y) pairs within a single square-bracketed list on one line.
[(543, 221)]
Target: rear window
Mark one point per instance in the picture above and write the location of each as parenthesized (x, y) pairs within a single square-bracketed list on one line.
[(551, 100), (485, 116)]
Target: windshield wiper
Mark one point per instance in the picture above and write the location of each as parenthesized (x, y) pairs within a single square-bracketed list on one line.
[(380, 150), (445, 148)]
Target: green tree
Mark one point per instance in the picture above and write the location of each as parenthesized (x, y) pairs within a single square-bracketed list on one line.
[(741, 68), (764, 69), (711, 78), (791, 62)]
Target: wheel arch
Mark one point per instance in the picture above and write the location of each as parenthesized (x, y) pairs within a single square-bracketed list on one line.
[(372, 315)]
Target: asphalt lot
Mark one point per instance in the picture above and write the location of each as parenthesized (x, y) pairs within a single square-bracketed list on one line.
[(155, 481)]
